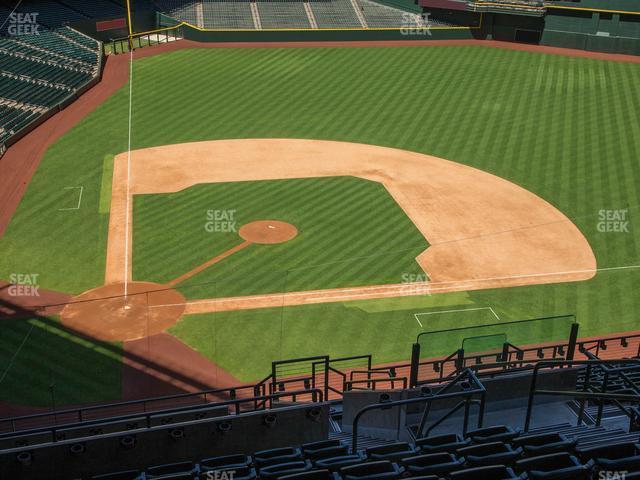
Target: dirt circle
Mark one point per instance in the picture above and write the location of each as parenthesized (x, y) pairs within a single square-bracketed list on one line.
[(104, 314), (268, 232)]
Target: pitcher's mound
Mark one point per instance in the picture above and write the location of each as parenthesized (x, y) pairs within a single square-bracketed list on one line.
[(104, 314), (268, 231)]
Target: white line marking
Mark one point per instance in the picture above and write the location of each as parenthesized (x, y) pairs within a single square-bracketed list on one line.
[(15, 355), (416, 315), (77, 207), (126, 222)]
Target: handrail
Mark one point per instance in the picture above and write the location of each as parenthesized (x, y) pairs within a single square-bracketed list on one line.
[(409, 401), (533, 391), (232, 392), (349, 384), (370, 372), (317, 396), (464, 374), (461, 403)]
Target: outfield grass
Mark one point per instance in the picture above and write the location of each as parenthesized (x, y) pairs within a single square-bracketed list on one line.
[(351, 232), (566, 129)]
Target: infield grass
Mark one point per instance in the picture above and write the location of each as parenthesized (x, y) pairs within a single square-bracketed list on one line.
[(350, 232)]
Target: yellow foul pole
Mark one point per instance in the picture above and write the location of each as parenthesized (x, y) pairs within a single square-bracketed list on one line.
[(129, 24)]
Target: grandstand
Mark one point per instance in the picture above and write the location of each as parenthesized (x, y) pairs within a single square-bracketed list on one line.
[(278, 14), (282, 14), (39, 73), (477, 422)]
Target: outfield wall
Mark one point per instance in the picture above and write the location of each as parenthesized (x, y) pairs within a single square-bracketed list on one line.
[(582, 28), (328, 35)]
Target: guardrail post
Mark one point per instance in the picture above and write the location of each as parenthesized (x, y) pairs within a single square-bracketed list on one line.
[(605, 384), (415, 365), (573, 339), (460, 359), (532, 392), (326, 379), (505, 352)]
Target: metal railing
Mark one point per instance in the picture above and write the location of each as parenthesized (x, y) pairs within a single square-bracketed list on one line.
[(428, 398), (259, 403), (581, 395)]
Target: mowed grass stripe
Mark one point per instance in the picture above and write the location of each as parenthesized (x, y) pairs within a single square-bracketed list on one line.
[(343, 219)]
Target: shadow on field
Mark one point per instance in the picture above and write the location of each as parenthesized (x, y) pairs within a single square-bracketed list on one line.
[(45, 366)]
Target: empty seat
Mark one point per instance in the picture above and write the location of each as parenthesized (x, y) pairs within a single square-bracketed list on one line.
[(499, 433), (124, 475), (492, 472), (394, 451), (170, 469), (617, 456), (544, 443), (283, 469), (382, 470), (449, 442), (432, 464), (276, 455), (240, 472), (311, 475), (220, 463), (494, 453), (336, 463), (173, 476), (324, 449), (555, 466)]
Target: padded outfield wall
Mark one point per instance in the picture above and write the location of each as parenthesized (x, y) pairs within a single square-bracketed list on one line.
[(587, 25), (582, 25)]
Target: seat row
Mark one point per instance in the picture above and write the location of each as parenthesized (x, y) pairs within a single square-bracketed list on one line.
[(489, 453)]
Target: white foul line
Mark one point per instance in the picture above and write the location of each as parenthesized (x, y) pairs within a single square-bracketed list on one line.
[(443, 285), (77, 207), (17, 352), (126, 222), (416, 315)]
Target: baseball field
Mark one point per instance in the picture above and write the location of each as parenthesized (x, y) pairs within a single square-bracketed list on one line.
[(267, 203)]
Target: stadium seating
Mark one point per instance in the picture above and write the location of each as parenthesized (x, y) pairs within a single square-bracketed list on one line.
[(227, 14), (334, 14), (278, 14), (377, 15), (51, 14), (39, 72), (95, 8), (301, 462), (282, 14)]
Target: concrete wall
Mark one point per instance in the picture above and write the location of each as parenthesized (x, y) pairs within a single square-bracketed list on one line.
[(189, 441)]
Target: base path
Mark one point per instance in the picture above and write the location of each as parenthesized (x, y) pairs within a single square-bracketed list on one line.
[(483, 231)]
